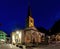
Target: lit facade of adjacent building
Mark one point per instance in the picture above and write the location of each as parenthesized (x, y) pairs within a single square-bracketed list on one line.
[(58, 37), (17, 36), (3, 36)]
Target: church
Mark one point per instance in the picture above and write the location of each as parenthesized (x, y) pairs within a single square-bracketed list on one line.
[(30, 34)]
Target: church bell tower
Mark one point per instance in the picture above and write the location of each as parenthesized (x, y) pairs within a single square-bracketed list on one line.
[(29, 20)]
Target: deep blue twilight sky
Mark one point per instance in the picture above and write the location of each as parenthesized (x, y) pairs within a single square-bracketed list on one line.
[(14, 12)]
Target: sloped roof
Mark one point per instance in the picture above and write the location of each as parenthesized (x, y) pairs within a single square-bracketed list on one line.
[(3, 32)]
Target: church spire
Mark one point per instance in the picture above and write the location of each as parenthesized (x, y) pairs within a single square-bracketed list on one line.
[(29, 8), (29, 11), (29, 20)]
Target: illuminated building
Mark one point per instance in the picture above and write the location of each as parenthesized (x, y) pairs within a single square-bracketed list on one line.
[(30, 34), (17, 36), (3, 36), (58, 37)]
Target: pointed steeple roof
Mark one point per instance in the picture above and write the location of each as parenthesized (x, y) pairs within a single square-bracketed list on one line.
[(29, 9), (29, 18)]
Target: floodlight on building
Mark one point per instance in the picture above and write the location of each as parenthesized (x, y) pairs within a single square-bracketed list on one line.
[(17, 32)]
